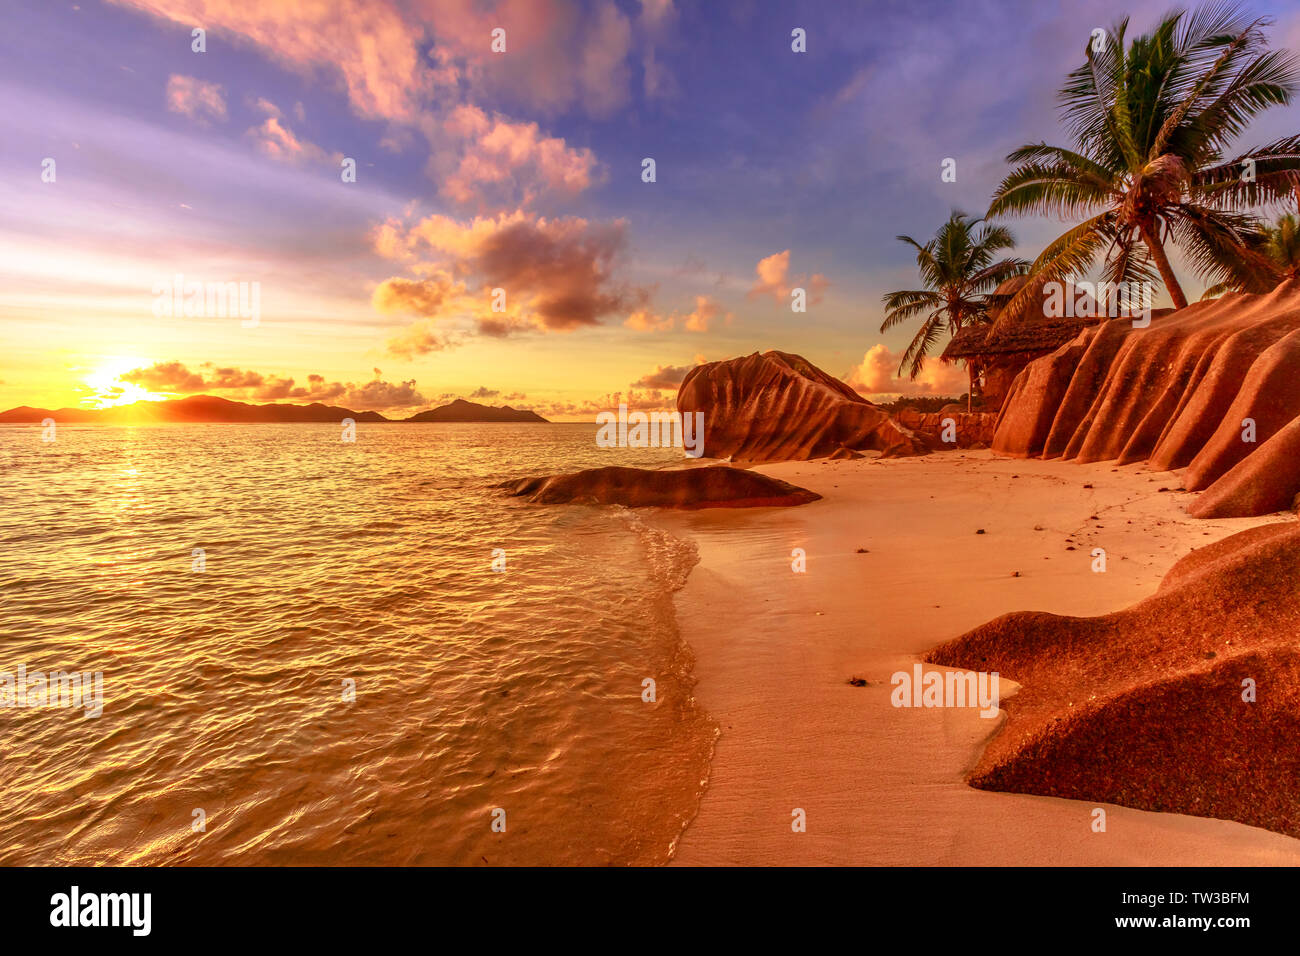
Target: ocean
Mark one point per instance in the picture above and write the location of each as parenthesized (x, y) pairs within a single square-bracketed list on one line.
[(309, 658)]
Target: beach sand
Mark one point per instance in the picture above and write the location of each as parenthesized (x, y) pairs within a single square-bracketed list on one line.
[(882, 785)]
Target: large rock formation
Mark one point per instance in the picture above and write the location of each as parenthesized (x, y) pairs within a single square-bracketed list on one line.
[(1213, 388), (1187, 702), (775, 406), (714, 486)]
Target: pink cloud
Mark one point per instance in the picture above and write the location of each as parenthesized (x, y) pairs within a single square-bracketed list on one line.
[(875, 375), (773, 278), (393, 58), (555, 275), (647, 320), (371, 46), (706, 311), (634, 398), (663, 377), (277, 141), (421, 65), (559, 56), (177, 379), (195, 98), (512, 159), (656, 21)]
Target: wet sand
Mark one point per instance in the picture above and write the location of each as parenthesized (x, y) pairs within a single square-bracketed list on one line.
[(775, 651)]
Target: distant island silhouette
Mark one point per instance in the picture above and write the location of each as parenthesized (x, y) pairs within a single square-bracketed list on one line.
[(210, 408)]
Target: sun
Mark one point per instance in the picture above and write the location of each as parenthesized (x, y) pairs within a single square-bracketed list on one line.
[(106, 385)]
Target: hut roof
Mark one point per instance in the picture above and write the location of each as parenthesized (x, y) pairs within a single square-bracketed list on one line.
[(966, 343), (1000, 297), (1030, 335), (1035, 335), (1014, 332)]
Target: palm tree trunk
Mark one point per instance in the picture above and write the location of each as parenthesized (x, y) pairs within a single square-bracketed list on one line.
[(970, 388), (1162, 263)]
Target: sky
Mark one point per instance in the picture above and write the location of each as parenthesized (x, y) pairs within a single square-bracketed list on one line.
[(499, 240)]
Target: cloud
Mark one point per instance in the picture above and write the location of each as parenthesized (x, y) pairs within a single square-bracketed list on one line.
[(658, 17), (701, 319), (564, 266), (771, 274), (418, 63), (276, 387), (634, 399), (560, 55), (647, 320), (176, 378), (421, 338), (378, 394), (773, 279), (422, 297), (166, 377), (195, 98), (604, 76), (706, 310), (510, 160), (875, 375), (484, 392), (372, 47), (263, 105), (555, 275), (277, 141), (274, 139), (663, 377), (637, 400)]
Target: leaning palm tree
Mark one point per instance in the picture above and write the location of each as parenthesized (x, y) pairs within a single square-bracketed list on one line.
[(1151, 119), (960, 270)]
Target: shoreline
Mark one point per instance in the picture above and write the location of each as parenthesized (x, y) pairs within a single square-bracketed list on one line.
[(774, 651)]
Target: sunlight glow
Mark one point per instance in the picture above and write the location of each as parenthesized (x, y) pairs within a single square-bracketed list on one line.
[(107, 388)]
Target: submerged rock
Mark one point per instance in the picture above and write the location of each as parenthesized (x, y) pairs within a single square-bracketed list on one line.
[(716, 486)]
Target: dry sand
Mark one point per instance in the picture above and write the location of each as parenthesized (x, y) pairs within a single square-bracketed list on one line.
[(884, 785)]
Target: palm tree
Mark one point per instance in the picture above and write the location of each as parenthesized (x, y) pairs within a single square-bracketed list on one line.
[(1151, 119), (1280, 247), (960, 270)]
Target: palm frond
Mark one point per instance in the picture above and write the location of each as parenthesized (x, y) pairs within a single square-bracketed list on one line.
[(1223, 247), (914, 356)]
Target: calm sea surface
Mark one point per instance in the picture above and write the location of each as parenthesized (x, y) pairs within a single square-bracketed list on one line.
[(325, 563)]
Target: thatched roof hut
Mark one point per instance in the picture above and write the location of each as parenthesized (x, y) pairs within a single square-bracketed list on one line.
[(1001, 297), (967, 343), (1035, 335), (996, 351)]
